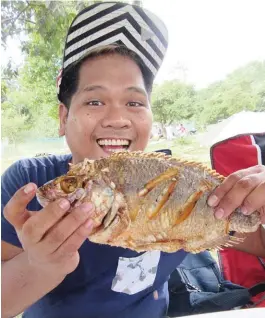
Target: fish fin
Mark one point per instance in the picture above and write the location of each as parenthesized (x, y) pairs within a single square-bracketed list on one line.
[(117, 226), (189, 205), (169, 190), (164, 246), (202, 166), (113, 210), (185, 211), (124, 154), (166, 175), (214, 244)]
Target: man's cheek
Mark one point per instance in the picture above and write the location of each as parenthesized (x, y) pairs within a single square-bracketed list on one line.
[(75, 125), (145, 126)]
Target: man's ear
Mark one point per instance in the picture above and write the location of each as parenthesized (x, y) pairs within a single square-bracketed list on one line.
[(63, 113)]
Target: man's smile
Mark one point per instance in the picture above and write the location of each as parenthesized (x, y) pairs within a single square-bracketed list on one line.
[(110, 145)]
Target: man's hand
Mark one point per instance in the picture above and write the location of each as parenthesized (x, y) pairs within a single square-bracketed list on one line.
[(244, 189), (50, 237)]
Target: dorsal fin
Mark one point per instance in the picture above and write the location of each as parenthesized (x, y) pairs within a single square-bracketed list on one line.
[(138, 154)]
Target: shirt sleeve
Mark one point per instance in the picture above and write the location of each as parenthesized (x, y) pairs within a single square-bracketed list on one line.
[(11, 181)]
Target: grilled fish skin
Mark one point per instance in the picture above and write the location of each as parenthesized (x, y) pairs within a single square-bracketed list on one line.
[(149, 201)]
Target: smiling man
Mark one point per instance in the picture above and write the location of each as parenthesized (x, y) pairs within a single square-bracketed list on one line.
[(106, 113), (49, 269)]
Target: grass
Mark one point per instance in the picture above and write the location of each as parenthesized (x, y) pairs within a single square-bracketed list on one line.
[(12, 153), (185, 147)]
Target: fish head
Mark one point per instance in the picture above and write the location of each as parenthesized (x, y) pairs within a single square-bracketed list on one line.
[(83, 183), (71, 188)]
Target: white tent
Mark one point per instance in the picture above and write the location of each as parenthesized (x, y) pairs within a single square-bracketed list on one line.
[(245, 122)]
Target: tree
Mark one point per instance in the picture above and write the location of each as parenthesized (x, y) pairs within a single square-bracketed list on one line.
[(243, 89), (35, 92), (13, 126), (44, 25), (173, 101), (29, 91)]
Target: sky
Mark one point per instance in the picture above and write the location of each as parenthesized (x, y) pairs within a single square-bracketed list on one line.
[(208, 39)]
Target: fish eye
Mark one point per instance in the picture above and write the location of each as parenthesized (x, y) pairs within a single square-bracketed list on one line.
[(69, 184)]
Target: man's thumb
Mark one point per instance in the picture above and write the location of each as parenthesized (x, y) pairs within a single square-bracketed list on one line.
[(15, 210)]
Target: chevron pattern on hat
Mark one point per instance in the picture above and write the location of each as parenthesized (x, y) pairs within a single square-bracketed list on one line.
[(115, 22)]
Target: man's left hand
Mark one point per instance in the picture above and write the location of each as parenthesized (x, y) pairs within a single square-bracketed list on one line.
[(244, 189)]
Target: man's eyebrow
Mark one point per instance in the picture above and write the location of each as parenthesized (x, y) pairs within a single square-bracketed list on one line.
[(90, 88), (137, 90)]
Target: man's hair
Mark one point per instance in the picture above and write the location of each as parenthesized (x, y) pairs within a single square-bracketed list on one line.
[(70, 78)]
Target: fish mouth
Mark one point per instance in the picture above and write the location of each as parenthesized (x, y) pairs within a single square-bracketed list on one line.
[(110, 145)]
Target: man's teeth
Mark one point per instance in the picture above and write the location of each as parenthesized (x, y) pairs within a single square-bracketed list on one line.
[(113, 142)]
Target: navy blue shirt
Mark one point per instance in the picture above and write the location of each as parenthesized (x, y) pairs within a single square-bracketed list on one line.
[(109, 281)]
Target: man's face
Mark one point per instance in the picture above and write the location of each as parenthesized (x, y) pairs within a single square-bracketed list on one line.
[(110, 110)]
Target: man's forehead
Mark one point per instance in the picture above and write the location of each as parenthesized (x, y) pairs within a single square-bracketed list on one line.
[(106, 73)]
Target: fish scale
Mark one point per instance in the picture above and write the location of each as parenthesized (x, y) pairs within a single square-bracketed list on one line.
[(151, 202)]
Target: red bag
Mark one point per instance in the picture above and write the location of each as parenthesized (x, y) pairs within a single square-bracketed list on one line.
[(228, 156)]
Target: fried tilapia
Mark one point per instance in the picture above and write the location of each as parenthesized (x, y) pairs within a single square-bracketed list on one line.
[(149, 201)]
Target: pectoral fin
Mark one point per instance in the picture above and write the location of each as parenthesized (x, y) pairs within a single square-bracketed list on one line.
[(165, 176), (153, 213)]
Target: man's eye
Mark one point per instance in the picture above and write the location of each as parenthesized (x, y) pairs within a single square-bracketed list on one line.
[(94, 103), (135, 104)]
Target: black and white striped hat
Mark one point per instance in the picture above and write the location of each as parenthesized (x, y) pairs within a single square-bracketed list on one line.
[(113, 22)]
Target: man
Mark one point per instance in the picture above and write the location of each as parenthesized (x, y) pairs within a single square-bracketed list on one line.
[(49, 267)]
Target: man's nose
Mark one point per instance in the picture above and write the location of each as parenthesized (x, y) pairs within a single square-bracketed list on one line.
[(116, 118)]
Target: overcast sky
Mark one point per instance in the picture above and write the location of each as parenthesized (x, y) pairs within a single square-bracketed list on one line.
[(207, 38), (211, 37)]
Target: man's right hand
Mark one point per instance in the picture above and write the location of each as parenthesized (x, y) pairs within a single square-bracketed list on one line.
[(52, 236)]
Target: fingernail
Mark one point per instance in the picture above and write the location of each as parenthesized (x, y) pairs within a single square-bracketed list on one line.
[(64, 204), (219, 213), (86, 207), (212, 200), (29, 188), (89, 224), (244, 210)]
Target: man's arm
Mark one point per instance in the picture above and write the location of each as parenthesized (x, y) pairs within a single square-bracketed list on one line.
[(254, 243), (50, 240), (22, 283)]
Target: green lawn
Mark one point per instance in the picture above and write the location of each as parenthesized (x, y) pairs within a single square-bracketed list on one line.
[(186, 148)]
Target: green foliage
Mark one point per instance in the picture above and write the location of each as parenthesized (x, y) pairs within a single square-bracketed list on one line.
[(28, 94), (172, 101), (13, 126), (32, 90), (8, 76), (242, 90), (17, 16)]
